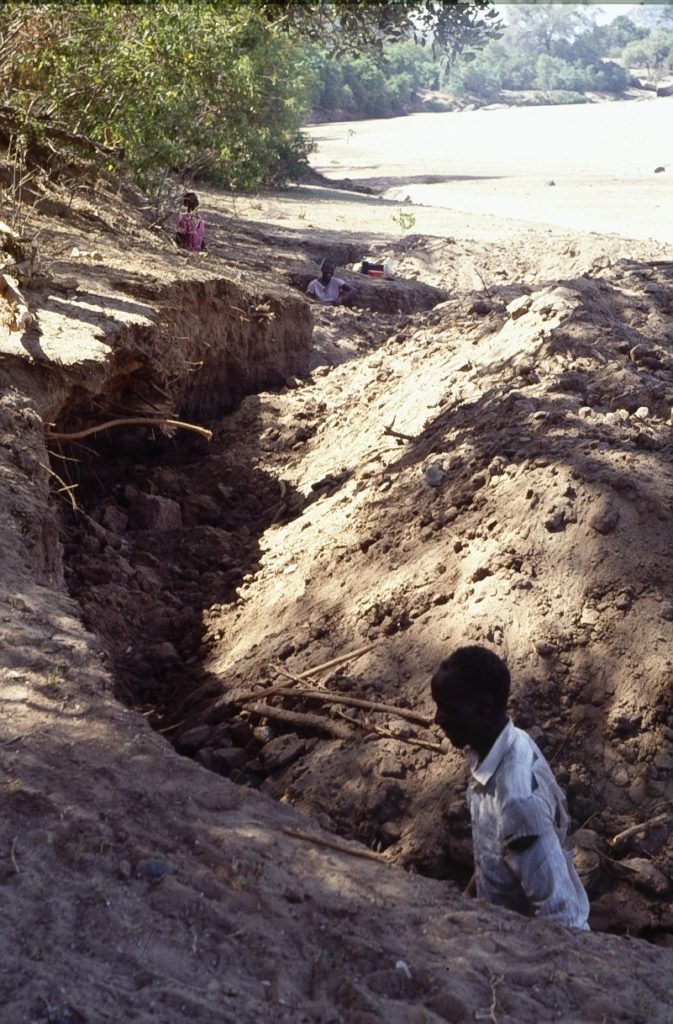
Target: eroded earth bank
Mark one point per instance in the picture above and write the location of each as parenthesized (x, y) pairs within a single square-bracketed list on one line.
[(481, 452)]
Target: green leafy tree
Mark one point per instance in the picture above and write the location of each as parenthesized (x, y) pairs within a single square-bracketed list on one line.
[(654, 53)]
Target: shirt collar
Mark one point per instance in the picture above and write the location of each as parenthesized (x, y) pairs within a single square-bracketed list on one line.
[(483, 771)]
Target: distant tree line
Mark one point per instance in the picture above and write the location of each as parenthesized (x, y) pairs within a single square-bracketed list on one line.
[(547, 53)]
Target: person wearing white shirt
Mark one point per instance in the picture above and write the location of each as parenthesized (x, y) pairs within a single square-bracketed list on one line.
[(519, 817), (330, 289)]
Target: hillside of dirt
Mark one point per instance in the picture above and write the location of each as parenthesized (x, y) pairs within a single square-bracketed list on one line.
[(208, 814)]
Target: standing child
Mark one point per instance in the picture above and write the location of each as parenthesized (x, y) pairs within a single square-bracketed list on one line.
[(191, 232)]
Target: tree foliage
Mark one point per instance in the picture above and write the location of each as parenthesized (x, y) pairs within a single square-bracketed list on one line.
[(174, 84), (353, 26), (215, 88)]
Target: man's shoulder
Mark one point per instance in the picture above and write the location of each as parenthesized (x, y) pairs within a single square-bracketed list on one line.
[(516, 772)]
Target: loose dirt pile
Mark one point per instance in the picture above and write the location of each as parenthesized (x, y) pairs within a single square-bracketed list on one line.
[(480, 453)]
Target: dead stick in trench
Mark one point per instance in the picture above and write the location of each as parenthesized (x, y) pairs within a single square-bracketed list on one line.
[(135, 421), (336, 661), (382, 731), (249, 695), (331, 844), (389, 432), (314, 723), (355, 702), (618, 840)]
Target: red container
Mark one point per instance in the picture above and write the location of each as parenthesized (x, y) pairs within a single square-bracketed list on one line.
[(374, 273)]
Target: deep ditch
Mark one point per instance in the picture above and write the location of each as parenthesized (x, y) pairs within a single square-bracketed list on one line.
[(167, 529), (167, 524)]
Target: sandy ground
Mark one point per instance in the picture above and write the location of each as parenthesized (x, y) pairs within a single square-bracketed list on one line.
[(600, 157), (148, 874)]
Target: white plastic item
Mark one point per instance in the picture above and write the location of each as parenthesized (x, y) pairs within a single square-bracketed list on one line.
[(389, 267)]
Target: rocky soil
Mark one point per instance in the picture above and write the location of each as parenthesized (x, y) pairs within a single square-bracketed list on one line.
[(480, 452)]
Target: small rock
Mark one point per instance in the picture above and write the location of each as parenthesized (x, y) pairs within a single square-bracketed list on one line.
[(545, 650), (638, 792), (481, 308), (666, 611), (262, 734), (663, 761), (152, 868), (152, 512), (115, 519), (646, 876), (391, 768), (555, 522), (124, 870), (518, 307), (642, 412), (620, 777), (659, 170), (194, 738), (280, 752), (435, 475), (204, 757), (624, 601), (590, 616), (605, 517), (225, 760)]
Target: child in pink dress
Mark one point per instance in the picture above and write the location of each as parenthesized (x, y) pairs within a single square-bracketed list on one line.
[(191, 233)]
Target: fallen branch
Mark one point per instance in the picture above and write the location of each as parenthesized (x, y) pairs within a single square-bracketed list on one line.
[(131, 422), (380, 730), (389, 432), (355, 702), (313, 723), (617, 842), (249, 695), (336, 661), (332, 844)]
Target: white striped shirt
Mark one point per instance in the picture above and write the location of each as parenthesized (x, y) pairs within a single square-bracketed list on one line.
[(515, 801)]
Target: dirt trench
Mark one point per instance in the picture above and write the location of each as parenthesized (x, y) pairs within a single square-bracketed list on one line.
[(168, 567), (168, 525)]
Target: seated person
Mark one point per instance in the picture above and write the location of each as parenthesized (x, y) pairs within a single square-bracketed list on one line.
[(330, 289), (191, 233)]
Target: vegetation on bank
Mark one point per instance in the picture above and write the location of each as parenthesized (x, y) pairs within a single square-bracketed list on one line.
[(217, 90), (548, 53)]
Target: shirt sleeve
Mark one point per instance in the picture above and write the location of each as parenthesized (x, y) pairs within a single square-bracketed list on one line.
[(533, 852), (311, 289)]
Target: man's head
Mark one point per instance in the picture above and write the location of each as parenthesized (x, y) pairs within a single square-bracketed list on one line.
[(191, 201), (327, 268), (470, 689)]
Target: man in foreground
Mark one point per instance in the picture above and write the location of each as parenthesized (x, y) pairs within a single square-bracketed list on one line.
[(519, 816)]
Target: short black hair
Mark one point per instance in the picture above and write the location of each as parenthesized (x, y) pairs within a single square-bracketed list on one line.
[(473, 671), (190, 199)]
